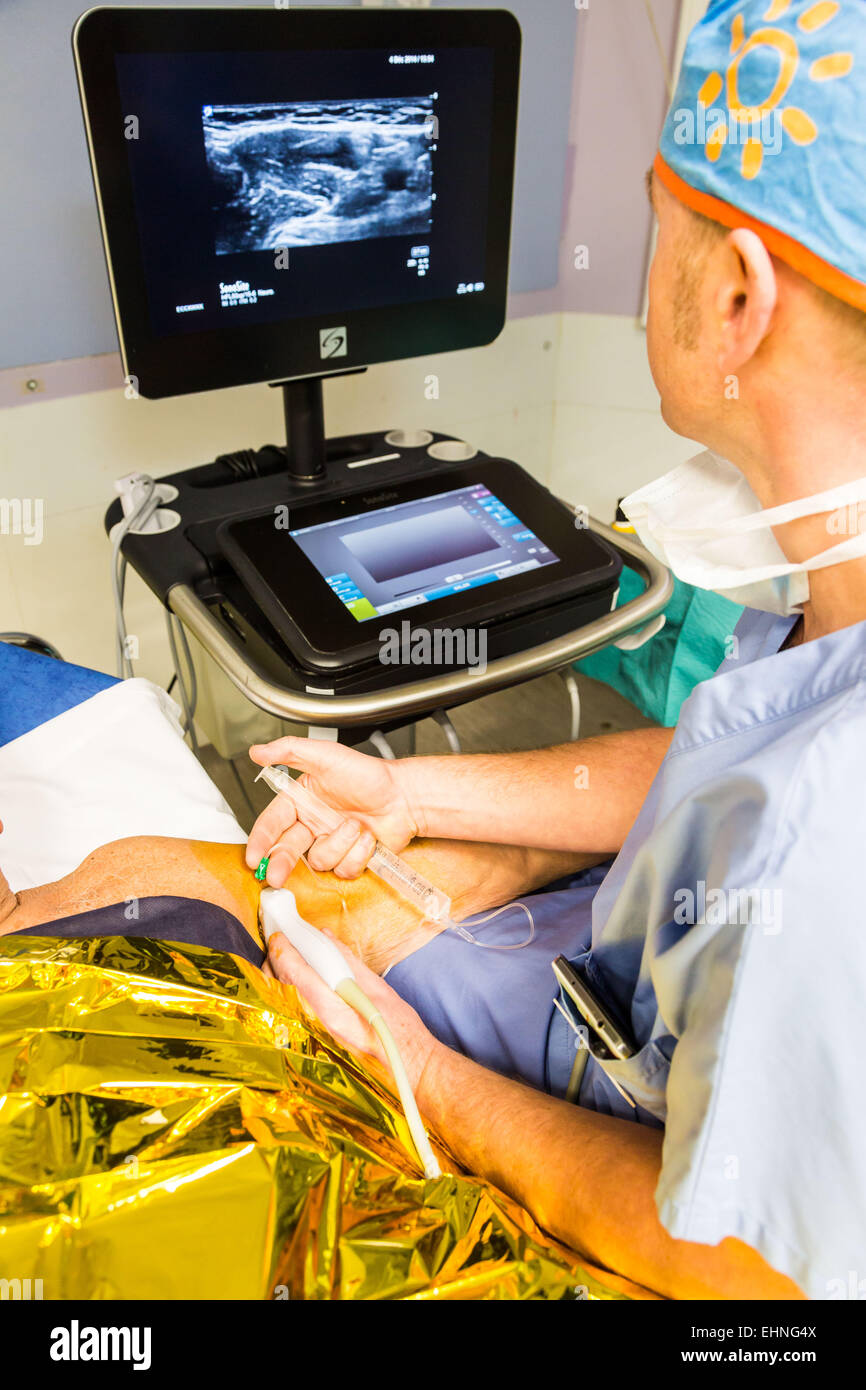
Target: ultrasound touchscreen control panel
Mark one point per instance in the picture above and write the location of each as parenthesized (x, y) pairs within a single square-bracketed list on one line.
[(410, 554), (473, 545)]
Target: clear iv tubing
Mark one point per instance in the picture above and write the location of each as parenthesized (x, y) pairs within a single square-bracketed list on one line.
[(460, 929), (430, 902)]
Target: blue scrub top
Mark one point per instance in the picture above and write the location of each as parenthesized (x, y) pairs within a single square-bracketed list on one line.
[(731, 932)]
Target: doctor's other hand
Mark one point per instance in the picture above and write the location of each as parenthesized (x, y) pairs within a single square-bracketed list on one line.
[(367, 791), (415, 1043)]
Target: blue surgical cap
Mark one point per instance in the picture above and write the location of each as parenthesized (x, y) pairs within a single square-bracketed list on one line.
[(767, 130)]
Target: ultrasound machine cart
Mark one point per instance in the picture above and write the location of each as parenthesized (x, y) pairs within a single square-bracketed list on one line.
[(287, 195), (186, 567), (386, 709)]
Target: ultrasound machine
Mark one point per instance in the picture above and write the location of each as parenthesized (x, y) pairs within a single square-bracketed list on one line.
[(287, 195)]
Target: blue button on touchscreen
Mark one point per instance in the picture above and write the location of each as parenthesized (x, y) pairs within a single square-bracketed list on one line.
[(412, 553)]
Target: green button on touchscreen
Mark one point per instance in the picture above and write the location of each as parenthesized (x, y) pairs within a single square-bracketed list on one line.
[(361, 608)]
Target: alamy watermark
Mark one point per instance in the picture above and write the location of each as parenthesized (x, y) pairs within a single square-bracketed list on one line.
[(717, 127), (847, 521), (77, 1343), (438, 646), (853, 1286), (716, 907), (22, 516), (20, 1289)]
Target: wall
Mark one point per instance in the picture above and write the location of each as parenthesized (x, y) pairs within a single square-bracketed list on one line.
[(69, 451), (608, 436)]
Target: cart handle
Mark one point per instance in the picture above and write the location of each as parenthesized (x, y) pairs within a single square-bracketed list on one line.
[(454, 687)]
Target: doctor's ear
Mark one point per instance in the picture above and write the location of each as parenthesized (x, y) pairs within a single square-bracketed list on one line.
[(745, 300)]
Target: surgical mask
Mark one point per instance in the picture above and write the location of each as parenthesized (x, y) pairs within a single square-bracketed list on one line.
[(705, 523)]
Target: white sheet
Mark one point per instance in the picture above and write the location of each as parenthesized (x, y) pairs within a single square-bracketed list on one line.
[(113, 766)]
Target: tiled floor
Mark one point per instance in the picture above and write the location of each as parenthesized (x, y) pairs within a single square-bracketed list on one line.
[(528, 716)]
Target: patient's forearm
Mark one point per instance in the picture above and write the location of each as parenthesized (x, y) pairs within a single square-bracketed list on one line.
[(576, 796), (362, 912), (381, 929), (588, 1179)]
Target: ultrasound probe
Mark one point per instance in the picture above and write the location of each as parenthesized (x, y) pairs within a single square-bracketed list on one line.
[(278, 912)]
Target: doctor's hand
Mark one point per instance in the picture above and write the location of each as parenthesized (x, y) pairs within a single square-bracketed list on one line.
[(366, 790), (415, 1042)]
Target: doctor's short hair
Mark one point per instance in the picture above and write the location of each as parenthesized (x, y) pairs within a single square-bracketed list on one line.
[(702, 236)]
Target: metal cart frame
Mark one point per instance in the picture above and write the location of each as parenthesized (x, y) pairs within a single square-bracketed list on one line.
[(419, 698)]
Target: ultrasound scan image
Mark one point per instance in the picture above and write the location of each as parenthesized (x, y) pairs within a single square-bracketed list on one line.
[(314, 173)]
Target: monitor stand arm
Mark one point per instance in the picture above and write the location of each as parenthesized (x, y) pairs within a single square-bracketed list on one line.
[(305, 426)]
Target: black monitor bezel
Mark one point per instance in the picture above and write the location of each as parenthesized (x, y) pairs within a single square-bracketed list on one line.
[(235, 356)]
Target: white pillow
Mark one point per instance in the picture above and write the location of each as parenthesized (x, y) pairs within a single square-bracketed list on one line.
[(113, 766)]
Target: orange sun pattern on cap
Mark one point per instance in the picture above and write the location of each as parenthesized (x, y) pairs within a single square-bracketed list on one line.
[(767, 130)]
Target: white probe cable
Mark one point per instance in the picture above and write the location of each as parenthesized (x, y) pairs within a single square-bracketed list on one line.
[(187, 700), (136, 520), (141, 514), (278, 912)]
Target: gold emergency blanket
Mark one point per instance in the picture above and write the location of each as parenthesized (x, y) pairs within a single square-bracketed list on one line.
[(172, 1125)]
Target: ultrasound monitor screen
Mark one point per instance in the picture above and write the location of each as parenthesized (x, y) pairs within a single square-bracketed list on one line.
[(269, 186), (409, 554), (311, 173), (289, 191)]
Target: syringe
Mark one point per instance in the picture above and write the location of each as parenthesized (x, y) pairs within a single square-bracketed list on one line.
[(318, 816)]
